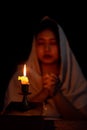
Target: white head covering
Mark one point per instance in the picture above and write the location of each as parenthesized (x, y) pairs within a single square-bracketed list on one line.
[(73, 82)]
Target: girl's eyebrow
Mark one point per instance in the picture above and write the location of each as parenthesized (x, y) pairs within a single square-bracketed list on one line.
[(53, 39), (40, 38), (43, 39)]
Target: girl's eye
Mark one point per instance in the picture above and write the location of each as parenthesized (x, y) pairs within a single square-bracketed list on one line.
[(53, 43), (40, 43)]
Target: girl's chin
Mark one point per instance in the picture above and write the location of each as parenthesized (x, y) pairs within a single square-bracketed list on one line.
[(47, 62)]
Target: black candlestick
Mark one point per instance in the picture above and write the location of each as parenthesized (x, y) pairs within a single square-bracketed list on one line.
[(25, 104), (25, 92)]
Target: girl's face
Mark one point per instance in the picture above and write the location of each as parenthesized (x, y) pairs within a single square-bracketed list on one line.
[(47, 47)]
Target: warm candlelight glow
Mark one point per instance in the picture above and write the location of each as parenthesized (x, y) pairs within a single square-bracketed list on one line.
[(24, 71), (24, 79)]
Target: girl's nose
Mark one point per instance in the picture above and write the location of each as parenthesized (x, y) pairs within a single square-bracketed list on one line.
[(47, 47)]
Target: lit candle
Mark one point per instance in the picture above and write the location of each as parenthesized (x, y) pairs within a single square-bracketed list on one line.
[(24, 79)]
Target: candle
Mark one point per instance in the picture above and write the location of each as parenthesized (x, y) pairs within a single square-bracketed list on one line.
[(24, 79)]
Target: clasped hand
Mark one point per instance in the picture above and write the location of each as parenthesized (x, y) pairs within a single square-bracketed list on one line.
[(50, 82)]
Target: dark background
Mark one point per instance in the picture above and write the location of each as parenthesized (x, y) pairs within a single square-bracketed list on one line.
[(18, 22)]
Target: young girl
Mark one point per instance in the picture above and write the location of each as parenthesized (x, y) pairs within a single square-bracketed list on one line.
[(55, 76)]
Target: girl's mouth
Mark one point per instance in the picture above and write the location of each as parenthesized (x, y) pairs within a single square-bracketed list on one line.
[(47, 56)]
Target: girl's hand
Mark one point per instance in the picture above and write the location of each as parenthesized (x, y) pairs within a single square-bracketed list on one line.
[(49, 82)]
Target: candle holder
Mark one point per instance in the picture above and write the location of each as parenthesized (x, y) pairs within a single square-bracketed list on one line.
[(26, 105)]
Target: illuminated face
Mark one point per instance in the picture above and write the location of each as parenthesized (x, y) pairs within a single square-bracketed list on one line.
[(47, 47)]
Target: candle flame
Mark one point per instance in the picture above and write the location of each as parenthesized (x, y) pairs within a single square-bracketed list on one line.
[(24, 71), (24, 79)]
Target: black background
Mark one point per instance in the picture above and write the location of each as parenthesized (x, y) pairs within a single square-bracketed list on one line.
[(17, 21)]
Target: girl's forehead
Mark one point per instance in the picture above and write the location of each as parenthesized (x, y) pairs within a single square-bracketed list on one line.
[(46, 33)]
